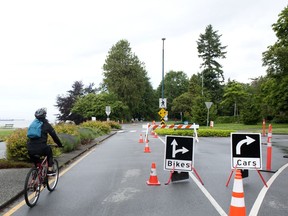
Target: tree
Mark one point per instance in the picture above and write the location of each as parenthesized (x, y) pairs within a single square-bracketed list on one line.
[(234, 97), (251, 111), (275, 99), (209, 49), (276, 57), (276, 60), (65, 103), (183, 104), (93, 105), (126, 77)]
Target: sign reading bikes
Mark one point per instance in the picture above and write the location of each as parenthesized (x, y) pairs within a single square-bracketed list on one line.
[(179, 153), (246, 150)]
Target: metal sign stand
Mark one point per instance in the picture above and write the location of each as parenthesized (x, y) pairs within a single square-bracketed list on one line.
[(238, 140), (180, 177), (263, 180)]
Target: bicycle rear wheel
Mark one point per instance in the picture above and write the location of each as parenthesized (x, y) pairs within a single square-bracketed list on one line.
[(32, 187), (53, 180)]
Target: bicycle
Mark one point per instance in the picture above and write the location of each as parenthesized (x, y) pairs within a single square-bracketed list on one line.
[(37, 177)]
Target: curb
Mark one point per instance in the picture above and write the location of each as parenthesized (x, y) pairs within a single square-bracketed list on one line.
[(94, 143)]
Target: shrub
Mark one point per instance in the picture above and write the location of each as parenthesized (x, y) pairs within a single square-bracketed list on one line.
[(104, 127), (69, 142), (67, 129), (88, 134), (114, 124), (200, 132), (69, 136), (16, 145)]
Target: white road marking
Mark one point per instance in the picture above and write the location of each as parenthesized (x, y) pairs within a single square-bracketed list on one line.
[(205, 192), (261, 195)]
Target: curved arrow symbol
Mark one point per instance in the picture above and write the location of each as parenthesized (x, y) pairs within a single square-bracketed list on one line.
[(248, 141), (174, 152)]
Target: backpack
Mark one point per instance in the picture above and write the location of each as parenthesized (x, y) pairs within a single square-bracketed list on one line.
[(35, 129)]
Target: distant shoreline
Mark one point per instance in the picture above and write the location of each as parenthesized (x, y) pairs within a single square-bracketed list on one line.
[(12, 119)]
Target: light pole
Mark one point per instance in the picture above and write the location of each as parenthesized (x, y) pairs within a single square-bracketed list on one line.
[(163, 39)]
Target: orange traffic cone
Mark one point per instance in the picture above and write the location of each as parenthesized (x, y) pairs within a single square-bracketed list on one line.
[(141, 139), (153, 180), (155, 135), (237, 207), (147, 148)]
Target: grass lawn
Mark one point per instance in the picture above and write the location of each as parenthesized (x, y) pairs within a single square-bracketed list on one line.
[(5, 132), (276, 128)]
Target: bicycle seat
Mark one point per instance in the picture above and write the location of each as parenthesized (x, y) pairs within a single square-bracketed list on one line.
[(37, 156)]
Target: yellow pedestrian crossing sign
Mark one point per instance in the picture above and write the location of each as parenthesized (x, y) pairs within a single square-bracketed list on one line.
[(162, 112)]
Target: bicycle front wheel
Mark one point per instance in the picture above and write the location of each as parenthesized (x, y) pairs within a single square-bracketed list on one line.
[(53, 180), (32, 187)]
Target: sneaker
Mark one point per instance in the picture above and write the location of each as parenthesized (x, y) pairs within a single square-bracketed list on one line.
[(51, 173)]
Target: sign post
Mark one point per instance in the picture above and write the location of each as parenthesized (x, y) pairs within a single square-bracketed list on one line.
[(208, 105), (108, 111)]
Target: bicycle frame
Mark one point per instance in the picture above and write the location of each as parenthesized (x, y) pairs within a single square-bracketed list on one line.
[(42, 168), (37, 177)]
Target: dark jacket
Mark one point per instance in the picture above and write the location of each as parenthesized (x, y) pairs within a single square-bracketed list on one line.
[(36, 144)]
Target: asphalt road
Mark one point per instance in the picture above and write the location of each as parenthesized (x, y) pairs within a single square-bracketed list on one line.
[(111, 180)]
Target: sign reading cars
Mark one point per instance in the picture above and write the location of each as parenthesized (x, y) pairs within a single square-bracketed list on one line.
[(246, 151)]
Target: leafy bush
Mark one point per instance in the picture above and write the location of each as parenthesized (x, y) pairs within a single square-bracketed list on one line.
[(70, 135), (104, 127), (88, 134), (16, 145), (69, 142), (114, 125), (200, 132), (214, 133), (67, 129)]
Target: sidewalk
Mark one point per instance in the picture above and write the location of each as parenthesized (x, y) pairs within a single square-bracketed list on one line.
[(12, 180)]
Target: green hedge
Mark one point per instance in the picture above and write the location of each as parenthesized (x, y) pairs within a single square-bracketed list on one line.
[(70, 135), (104, 127), (200, 132)]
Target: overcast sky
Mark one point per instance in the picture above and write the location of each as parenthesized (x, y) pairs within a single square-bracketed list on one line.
[(45, 46)]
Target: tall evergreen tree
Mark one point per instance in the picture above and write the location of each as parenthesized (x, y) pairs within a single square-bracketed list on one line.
[(126, 77), (210, 49)]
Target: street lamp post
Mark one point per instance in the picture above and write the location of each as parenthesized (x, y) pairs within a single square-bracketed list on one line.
[(163, 39)]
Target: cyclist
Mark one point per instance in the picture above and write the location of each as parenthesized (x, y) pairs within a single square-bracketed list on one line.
[(38, 146)]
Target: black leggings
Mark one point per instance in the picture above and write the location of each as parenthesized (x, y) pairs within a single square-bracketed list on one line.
[(46, 151)]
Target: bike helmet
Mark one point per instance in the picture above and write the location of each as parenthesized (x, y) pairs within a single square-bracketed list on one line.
[(41, 113)]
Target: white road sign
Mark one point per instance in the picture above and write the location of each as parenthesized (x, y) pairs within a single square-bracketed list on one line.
[(246, 151), (179, 153)]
